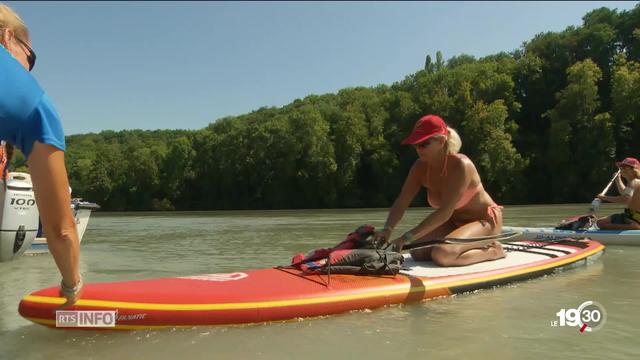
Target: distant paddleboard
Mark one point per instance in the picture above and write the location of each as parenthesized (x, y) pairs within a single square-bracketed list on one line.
[(606, 237)]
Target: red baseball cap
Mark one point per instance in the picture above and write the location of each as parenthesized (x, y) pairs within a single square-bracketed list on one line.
[(633, 162), (426, 127)]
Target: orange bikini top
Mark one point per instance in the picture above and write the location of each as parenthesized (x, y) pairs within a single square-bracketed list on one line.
[(469, 193)]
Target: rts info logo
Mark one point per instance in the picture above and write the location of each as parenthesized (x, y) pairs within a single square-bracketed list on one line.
[(86, 318)]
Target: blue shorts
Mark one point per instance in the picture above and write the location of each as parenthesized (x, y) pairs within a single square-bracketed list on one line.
[(26, 112)]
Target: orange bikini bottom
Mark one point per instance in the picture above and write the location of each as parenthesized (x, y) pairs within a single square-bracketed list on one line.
[(492, 212)]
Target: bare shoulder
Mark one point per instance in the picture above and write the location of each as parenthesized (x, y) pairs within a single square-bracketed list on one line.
[(417, 165), (418, 168), (461, 163)]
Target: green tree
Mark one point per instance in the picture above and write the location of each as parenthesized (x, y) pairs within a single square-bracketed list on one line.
[(626, 105), (492, 150), (176, 170), (428, 64), (579, 132), (439, 61)]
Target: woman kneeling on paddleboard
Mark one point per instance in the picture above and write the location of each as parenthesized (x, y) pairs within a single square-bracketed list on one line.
[(463, 208), (630, 218)]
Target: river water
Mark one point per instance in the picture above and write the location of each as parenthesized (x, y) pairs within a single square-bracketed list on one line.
[(508, 322)]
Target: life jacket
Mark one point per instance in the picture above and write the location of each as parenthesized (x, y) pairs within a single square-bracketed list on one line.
[(574, 223), (359, 239), (357, 254)]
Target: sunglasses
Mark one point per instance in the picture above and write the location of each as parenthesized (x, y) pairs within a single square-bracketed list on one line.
[(423, 144), (31, 56)]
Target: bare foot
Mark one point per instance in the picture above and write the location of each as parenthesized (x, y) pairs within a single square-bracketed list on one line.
[(498, 251)]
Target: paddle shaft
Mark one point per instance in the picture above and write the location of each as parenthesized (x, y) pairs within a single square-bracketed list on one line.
[(480, 240), (595, 204), (610, 183)]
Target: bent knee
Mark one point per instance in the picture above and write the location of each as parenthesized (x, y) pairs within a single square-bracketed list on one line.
[(443, 255), (421, 254)]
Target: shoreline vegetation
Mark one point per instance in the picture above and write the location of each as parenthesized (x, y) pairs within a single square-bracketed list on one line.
[(543, 124)]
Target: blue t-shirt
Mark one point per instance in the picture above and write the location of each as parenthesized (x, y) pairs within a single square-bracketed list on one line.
[(26, 112)]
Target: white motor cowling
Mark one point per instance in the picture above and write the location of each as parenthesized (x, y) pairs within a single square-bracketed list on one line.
[(18, 215)]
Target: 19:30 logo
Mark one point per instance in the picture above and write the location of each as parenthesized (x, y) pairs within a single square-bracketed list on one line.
[(589, 316)]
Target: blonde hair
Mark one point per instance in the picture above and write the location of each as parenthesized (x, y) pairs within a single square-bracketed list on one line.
[(10, 20), (635, 170), (453, 142)]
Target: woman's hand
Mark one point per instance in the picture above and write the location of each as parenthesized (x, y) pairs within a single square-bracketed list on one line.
[(380, 237), (398, 244)]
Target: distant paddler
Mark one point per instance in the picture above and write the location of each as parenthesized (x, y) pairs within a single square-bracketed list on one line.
[(630, 218)]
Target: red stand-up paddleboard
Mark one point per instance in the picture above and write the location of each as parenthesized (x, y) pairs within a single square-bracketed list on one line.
[(280, 294)]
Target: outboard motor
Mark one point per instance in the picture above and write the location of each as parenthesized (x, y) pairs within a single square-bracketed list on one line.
[(18, 215)]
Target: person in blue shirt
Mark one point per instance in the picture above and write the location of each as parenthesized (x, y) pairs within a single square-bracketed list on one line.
[(29, 121)]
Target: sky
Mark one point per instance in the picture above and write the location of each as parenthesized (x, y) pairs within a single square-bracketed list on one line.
[(183, 65)]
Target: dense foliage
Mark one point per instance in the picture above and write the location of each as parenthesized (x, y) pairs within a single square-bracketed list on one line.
[(543, 123)]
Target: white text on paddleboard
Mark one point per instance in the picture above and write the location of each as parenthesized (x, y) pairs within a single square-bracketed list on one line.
[(130, 317), (217, 277)]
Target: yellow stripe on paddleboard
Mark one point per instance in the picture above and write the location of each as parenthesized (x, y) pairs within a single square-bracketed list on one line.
[(299, 302), (228, 306)]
